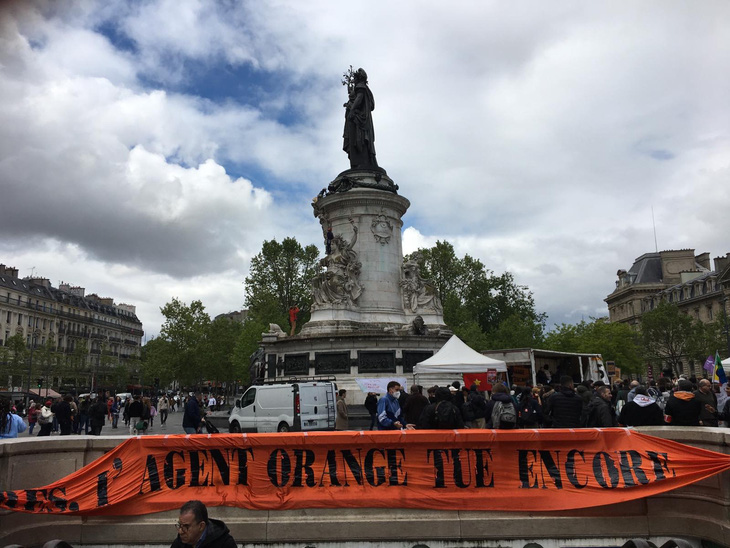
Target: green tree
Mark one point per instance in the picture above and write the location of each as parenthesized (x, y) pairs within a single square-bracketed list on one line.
[(157, 360), (186, 328), (246, 345), (670, 336), (280, 278), (15, 357), (221, 340), (617, 342), (485, 310)]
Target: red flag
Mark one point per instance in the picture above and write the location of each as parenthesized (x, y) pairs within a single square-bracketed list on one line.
[(480, 379)]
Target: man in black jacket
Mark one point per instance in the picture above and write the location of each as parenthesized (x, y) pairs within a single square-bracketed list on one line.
[(600, 412), (135, 411), (565, 406), (196, 529), (683, 408), (442, 415)]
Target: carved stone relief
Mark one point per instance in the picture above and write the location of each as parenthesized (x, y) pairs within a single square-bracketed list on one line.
[(382, 229)]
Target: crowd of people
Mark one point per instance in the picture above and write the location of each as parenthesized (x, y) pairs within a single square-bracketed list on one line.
[(559, 404), (89, 413)]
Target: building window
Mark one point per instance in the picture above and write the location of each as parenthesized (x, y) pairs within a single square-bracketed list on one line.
[(30, 321), (7, 320), (20, 319)]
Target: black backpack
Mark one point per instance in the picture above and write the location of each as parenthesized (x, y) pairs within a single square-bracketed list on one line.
[(504, 416), (527, 415), (443, 416), (467, 411)]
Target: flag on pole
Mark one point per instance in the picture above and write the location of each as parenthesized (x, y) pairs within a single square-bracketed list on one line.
[(480, 379), (719, 371), (709, 363)]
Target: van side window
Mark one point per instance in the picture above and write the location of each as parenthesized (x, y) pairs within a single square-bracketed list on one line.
[(248, 397)]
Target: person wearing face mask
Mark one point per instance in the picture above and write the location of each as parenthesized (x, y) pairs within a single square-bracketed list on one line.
[(389, 413)]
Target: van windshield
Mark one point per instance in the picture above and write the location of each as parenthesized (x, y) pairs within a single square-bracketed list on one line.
[(248, 397)]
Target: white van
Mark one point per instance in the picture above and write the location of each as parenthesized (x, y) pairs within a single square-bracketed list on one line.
[(285, 407)]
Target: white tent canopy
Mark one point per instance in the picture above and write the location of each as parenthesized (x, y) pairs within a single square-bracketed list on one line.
[(455, 357)]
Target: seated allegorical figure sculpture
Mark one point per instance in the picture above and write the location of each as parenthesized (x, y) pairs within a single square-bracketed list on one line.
[(418, 294), (339, 283)]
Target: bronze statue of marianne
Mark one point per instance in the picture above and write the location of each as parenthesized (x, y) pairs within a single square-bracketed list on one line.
[(359, 135)]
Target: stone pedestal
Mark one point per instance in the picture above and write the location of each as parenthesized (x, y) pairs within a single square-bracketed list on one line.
[(372, 315)]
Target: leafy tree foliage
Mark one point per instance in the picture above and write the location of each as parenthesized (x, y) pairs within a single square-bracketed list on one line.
[(185, 329), (671, 336), (13, 357), (220, 343), (617, 342), (280, 278), (484, 309)]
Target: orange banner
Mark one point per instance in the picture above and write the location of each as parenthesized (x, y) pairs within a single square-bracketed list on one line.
[(520, 470)]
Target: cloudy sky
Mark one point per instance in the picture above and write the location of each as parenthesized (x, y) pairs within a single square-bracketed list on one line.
[(148, 148)]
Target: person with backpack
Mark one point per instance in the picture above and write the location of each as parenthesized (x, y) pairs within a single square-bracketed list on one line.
[(474, 409), (501, 410), (442, 415), (529, 412)]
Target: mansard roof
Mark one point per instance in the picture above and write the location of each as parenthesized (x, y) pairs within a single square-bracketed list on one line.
[(647, 269)]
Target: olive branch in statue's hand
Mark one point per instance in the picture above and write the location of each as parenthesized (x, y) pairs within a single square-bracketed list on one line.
[(348, 79)]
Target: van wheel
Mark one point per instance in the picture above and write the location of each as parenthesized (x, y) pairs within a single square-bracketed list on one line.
[(234, 428), (283, 427)]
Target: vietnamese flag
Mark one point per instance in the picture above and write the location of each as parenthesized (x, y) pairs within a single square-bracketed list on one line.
[(480, 379)]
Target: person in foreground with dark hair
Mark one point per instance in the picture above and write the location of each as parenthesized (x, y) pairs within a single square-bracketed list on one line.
[(195, 529), (10, 423)]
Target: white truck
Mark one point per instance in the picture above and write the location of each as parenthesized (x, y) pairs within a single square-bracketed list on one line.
[(284, 406)]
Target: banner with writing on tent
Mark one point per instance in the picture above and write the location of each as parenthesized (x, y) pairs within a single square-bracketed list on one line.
[(380, 385), (519, 470)]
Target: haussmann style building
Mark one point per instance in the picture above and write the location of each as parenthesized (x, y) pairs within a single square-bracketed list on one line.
[(80, 341)]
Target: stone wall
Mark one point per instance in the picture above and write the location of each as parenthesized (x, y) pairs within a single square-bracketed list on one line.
[(701, 510)]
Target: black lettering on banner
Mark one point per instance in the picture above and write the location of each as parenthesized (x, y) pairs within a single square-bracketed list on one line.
[(221, 464), (395, 464), (438, 466), (174, 477), (371, 470), (271, 467), (151, 475), (458, 473), (102, 498), (634, 466), (330, 467), (546, 458), (483, 459), (60, 502), (610, 468), (198, 460), (102, 484), (353, 463), (9, 499), (243, 464), (528, 478), (661, 463), (570, 468), (33, 500), (303, 464)]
